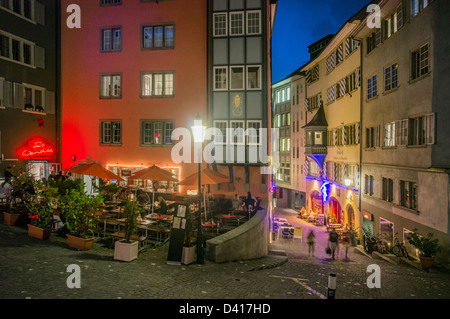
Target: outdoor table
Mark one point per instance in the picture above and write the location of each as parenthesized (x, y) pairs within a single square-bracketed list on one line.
[(281, 228), (230, 217), (211, 225)]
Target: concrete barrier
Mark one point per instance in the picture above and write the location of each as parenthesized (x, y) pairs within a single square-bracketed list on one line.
[(248, 241)]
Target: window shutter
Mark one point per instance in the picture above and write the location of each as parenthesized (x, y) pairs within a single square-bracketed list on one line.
[(39, 12), (344, 136), (2, 98), (50, 102), (7, 94), (429, 129), (18, 95), (377, 136), (357, 133), (398, 132), (39, 57)]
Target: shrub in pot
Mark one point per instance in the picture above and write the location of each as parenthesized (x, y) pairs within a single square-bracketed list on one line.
[(128, 248), (40, 211), (428, 247), (79, 214)]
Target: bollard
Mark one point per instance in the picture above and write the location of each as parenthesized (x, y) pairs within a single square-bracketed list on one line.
[(331, 286)]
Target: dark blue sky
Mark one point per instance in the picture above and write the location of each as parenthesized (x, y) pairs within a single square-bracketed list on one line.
[(299, 23)]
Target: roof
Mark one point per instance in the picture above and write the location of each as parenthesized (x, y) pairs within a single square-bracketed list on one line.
[(319, 118)]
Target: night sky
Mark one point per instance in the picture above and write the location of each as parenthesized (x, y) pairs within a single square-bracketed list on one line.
[(299, 23)]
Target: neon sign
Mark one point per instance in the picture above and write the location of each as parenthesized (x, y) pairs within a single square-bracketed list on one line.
[(324, 189), (36, 148)]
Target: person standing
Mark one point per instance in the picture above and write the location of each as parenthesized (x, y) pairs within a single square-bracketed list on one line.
[(333, 241), (311, 243)]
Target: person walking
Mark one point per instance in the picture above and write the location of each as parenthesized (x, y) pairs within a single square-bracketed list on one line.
[(333, 241), (311, 243)]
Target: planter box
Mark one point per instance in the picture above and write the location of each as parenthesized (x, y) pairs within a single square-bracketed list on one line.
[(11, 219), (126, 251), (188, 255), (79, 243), (39, 233), (426, 262)]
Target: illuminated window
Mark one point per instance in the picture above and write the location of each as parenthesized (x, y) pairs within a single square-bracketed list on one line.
[(157, 84), (110, 85), (408, 194)]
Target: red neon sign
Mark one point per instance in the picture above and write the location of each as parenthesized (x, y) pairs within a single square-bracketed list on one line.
[(36, 148)]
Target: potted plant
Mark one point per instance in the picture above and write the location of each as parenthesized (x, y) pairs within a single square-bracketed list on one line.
[(41, 211), (79, 212), (127, 249), (428, 247), (188, 253)]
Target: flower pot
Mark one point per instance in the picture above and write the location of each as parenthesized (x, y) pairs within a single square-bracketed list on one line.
[(11, 219), (426, 262), (126, 251), (188, 255), (79, 243), (39, 233)]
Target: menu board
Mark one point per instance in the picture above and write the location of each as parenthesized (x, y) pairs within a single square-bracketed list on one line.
[(177, 237)]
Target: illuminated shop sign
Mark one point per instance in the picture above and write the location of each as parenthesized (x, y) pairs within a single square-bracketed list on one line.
[(36, 148)]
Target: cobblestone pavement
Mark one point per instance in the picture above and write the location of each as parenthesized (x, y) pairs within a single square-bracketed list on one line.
[(35, 269)]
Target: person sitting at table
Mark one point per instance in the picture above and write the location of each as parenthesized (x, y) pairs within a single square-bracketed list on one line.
[(236, 202), (249, 201)]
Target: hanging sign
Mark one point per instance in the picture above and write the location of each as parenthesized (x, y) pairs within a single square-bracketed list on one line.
[(36, 148)]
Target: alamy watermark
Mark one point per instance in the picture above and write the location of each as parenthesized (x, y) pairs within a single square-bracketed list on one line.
[(374, 18)]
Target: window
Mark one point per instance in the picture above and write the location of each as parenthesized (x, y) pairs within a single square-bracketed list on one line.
[(417, 6), (110, 2), (156, 132), (253, 132), (4, 46), (158, 36), (111, 39), (391, 77), (373, 40), (254, 77), (236, 77), (372, 87), (389, 134), (24, 8), (313, 102), (372, 137), (401, 132), (351, 134), (368, 184), (408, 194), (110, 86), (157, 84), (222, 126), (253, 22), (33, 98), (220, 78), (237, 132), (111, 132), (421, 130), (236, 23), (420, 63), (220, 24), (388, 189)]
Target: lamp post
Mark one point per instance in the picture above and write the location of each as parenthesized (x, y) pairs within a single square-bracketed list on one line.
[(199, 135)]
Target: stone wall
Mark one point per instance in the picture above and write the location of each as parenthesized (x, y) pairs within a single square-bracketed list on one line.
[(249, 240)]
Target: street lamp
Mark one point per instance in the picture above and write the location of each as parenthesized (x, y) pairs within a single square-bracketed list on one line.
[(198, 130)]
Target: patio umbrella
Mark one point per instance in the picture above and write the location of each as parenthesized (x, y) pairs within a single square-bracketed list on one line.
[(93, 169), (154, 173), (208, 177)]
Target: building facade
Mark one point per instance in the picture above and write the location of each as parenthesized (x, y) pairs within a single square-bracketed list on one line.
[(289, 117), (239, 95), (29, 74), (405, 151), (137, 70), (332, 132)]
